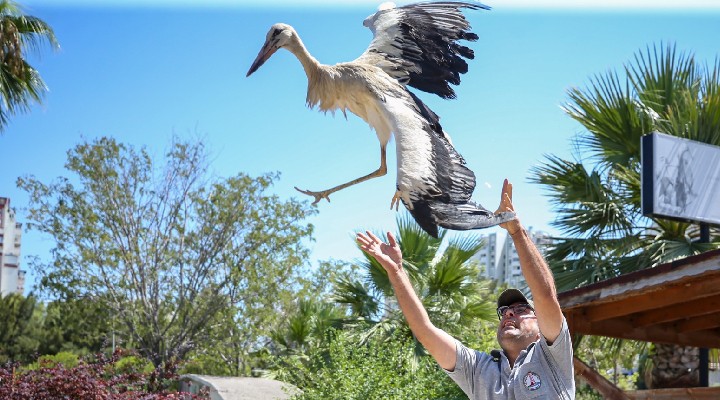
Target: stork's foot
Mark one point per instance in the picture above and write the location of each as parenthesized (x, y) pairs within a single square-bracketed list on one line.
[(325, 194), (395, 202)]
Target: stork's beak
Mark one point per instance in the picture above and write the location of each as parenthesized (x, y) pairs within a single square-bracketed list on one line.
[(267, 50)]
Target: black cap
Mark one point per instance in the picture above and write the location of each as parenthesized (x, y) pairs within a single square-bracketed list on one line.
[(512, 296)]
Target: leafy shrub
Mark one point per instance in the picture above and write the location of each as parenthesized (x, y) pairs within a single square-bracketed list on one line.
[(65, 358), (133, 365), (101, 378), (377, 370)]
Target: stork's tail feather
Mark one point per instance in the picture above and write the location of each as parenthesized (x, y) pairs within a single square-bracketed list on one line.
[(460, 217)]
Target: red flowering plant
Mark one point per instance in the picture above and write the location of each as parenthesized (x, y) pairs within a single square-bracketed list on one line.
[(123, 376)]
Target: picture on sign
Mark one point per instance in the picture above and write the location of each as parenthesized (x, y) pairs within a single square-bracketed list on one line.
[(680, 179)]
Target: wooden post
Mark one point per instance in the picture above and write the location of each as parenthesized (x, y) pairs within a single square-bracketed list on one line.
[(606, 388), (704, 367)]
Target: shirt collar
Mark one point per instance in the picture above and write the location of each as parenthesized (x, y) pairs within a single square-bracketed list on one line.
[(505, 362)]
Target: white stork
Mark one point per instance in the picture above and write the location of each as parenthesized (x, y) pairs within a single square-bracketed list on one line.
[(414, 45)]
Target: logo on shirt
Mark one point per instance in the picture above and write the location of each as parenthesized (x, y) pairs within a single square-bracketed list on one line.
[(532, 381)]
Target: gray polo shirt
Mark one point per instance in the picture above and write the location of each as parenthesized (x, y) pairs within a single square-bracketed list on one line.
[(541, 371)]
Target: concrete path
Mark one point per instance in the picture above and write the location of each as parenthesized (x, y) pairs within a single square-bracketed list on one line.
[(232, 388)]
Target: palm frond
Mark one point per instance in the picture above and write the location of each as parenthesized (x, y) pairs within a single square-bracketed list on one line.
[(382, 330), (20, 83), (356, 295), (610, 113), (418, 248), (568, 182), (453, 272), (33, 32), (708, 121), (662, 77)]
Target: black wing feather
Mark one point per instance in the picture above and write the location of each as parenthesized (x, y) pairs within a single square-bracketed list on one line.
[(420, 43)]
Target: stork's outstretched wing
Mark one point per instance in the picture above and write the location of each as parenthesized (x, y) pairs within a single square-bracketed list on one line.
[(417, 44), (433, 180)]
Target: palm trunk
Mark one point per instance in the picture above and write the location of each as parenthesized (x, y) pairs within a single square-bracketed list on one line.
[(674, 367)]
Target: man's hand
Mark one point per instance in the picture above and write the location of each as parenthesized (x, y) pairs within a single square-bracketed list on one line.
[(506, 204), (387, 254)]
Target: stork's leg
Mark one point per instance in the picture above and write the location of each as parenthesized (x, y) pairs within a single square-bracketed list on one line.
[(325, 194)]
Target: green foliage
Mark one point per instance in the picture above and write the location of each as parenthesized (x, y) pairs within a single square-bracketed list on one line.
[(289, 318), (597, 195), (20, 83), (20, 328), (615, 359), (133, 365), (377, 370), (445, 278), (80, 325), (374, 354), (28, 327), (166, 248), (203, 361), (64, 358)]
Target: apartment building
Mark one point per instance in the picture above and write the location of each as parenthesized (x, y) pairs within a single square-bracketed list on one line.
[(502, 263), (12, 278)]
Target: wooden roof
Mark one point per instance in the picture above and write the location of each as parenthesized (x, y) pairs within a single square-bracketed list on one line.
[(676, 303)]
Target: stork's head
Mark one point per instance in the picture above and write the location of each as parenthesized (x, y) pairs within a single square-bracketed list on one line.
[(279, 35)]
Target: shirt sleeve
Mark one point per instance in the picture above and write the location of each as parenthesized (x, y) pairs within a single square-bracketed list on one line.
[(561, 349), (467, 366), (559, 355)]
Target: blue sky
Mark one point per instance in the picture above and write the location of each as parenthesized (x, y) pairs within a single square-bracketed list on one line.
[(143, 73)]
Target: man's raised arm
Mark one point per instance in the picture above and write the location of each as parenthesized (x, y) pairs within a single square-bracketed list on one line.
[(538, 276), (437, 342)]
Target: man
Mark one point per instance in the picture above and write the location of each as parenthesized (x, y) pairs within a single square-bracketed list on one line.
[(536, 358)]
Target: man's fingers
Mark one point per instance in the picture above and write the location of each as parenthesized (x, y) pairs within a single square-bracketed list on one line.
[(391, 239), (365, 242), (373, 237)]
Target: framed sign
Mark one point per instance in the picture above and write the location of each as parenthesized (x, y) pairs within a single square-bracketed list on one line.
[(680, 179)]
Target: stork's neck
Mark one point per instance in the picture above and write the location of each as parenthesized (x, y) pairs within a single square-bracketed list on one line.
[(309, 63)]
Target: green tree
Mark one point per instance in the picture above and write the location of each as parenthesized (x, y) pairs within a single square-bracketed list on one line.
[(597, 194), (79, 325), (306, 324), (306, 327), (29, 327), (164, 247), (20, 328), (20, 83), (444, 277)]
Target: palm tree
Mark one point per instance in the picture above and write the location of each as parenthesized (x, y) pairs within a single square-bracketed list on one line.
[(444, 277), (306, 327), (306, 331), (597, 194), (20, 83)]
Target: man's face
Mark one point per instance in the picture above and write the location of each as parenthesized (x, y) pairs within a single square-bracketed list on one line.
[(518, 328)]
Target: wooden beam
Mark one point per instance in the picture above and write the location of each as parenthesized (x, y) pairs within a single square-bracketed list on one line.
[(603, 386), (705, 266), (698, 323), (681, 310), (624, 329), (651, 300), (673, 394)]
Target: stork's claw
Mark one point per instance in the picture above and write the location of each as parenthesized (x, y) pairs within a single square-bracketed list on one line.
[(395, 202), (317, 195)]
